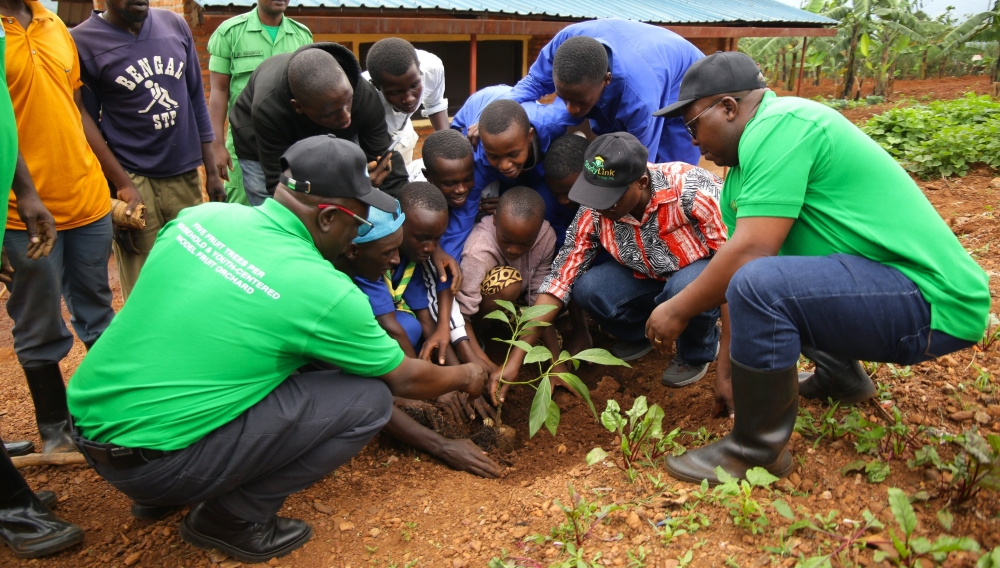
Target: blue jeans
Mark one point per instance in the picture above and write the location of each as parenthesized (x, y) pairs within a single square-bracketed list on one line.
[(621, 303), (77, 270), (842, 304), (254, 183)]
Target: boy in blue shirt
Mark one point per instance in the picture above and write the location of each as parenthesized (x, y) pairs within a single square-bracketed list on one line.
[(511, 146), (617, 73), (367, 260)]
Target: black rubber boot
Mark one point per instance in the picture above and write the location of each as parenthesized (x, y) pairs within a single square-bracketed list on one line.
[(22, 448), (838, 378), (28, 527), (49, 395), (209, 526), (766, 405)]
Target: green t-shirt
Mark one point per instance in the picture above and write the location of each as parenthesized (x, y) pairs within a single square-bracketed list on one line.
[(271, 31), (231, 301), (8, 137), (242, 43), (803, 160)]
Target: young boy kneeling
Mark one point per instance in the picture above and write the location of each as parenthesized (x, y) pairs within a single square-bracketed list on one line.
[(508, 255)]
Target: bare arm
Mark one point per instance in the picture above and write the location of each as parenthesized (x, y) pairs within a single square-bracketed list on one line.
[(390, 324), (218, 105), (213, 183), (439, 120), (421, 380), (41, 227), (112, 169), (459, 454)]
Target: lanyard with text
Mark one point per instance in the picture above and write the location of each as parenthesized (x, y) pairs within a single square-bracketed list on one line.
[(397, 292)]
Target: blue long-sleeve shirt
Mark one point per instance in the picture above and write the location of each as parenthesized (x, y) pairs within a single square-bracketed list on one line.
[(146, 92), (647, 64), (549, 122)]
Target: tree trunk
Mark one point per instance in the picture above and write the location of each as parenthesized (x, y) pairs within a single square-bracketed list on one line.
[(790, 85), (923, 66), (819, 70), (890, 80), (784, 67), (881, 77), (996, 65), (849, 75)]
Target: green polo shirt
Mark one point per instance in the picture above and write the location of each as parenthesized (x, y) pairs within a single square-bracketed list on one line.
[(8, 136), (236, 48), (803, 160), (241, 43), (231, 301)]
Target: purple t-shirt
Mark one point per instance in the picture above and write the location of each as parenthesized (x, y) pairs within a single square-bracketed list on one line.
[(147, 91)]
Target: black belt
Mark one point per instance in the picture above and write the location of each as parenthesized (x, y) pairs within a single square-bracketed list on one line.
[(120, 457)]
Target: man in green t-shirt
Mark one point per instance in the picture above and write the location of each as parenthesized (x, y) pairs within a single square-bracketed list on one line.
[(833, 251), (239, 405), (235, 49)]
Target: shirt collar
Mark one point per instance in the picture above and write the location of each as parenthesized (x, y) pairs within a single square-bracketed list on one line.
[(39, 12), (284, 218), (143, 31)]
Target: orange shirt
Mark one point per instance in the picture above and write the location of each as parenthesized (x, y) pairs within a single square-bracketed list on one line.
[(43, 71)]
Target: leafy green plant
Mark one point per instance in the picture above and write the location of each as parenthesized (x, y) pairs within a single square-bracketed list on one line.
[(990, 560), (991, 335), (876, 471), (911, 549), (700, 437), (641, 433), (984, 380), (581, 518), (942, 138), (892, 441), (544, 411), (976, 464), (690, 522), (737, 496), (825, 427), (840, 545)]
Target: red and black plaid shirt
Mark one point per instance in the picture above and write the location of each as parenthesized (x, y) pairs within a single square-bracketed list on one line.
[(682, 223)]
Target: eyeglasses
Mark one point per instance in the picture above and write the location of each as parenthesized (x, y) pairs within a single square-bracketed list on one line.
[(693, 131), (366, 225)]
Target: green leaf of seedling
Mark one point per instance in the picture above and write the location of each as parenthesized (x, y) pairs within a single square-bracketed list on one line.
[(517, 343), (534, 312), (579, 388), (552, 420), (760, 477), (948, 543), (902, 510), (600, 356), (497, 315), (877, 471), (538, 354), (854, 466), (990, 560), (635, 413), (783, 509), (539, 407), (534, 323), (723, 475), (509, 306), (596, 455), (653, 422)]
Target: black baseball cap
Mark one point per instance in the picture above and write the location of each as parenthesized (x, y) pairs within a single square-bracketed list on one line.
[(331, 167), (610, 164), (721, 72)]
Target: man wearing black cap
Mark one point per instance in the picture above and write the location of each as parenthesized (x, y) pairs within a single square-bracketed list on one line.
[(661, 223), (850, 283), (236, 422)]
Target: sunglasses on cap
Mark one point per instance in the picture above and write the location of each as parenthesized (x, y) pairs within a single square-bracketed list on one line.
[(366, 225)]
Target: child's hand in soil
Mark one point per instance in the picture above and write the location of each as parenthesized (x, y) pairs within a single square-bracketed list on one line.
[(439, 342), (464, 455), (456, 406)]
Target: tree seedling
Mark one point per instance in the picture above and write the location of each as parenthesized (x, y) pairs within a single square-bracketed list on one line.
[(976, 464), (581, 518), (909, 549), (641, 433), (736, 495), (544, 411)]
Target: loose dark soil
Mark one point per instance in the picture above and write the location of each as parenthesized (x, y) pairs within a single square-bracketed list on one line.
[(391, 506)]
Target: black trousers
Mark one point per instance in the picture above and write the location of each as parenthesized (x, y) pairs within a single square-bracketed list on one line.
[(303, 430)]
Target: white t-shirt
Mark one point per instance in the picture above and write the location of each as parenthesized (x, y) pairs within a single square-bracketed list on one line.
[(432, 98)]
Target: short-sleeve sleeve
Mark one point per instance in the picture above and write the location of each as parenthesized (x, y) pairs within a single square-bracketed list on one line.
[(776, 158), (220, 52), (433, 78), (378, 295), (348, 336)]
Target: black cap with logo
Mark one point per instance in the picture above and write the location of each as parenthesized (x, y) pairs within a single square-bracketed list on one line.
[(610, 164), (328, 166), (721, 72)]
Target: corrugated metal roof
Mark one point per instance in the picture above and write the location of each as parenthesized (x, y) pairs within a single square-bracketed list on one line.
[(653, 11)]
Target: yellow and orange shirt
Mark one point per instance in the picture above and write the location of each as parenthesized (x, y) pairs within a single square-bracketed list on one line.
[(43, 71)]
